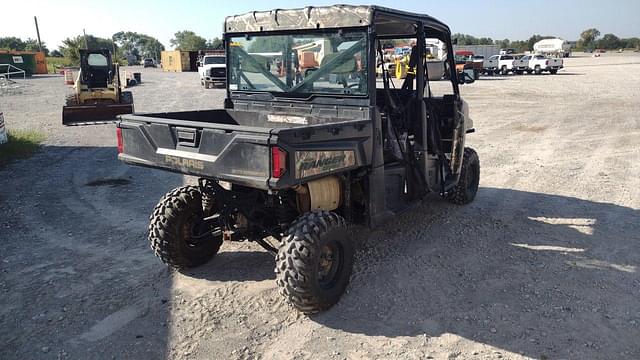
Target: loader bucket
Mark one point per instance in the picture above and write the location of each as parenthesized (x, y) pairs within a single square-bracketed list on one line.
[(93, 114)]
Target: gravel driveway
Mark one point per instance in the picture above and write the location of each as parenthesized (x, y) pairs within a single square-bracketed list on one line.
[(544, 263)]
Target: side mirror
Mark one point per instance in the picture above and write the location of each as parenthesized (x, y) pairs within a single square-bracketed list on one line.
[(467, 76)]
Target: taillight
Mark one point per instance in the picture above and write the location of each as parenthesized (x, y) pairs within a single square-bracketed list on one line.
[(546, 62), (278, 162), (120, 143)]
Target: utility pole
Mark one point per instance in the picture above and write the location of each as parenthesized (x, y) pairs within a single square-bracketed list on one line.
[(86, 45), (38, 32)]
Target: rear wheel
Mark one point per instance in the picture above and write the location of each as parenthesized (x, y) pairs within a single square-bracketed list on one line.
[(538, 70), (504, 70), (177, 232), (553, 72), (465, 191), (314, 261)]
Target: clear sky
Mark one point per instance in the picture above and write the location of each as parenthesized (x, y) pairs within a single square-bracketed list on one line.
[(498, 19)]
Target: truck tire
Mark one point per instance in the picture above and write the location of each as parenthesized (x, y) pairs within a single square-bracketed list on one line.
[(538, 70), (465, 191), (553, 71), (504, 70), (314, 261), (171, 230)]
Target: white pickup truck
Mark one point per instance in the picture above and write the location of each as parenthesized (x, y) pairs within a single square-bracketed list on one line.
[(213, 70), (540, 63), (498, 64)]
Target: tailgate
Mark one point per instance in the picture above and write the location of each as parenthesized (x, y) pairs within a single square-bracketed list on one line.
[(219, 149)]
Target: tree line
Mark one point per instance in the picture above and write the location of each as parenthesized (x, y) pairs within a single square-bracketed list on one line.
[(125, 45), (14, 43), (589, 39), (128, 45)]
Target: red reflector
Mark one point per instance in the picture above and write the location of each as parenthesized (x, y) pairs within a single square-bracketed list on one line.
[(278, 162), (120, 143)]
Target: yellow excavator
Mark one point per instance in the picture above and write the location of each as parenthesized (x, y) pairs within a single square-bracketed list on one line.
[(97, 94)]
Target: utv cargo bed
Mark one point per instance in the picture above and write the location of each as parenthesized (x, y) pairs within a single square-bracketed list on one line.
[(230, 145)]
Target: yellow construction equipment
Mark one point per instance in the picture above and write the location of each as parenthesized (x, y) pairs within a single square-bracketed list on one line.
[(97, 95)]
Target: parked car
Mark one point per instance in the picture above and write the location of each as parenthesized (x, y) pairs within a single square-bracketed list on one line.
[(149, 63), (507, 51), (498, 64), (539, 64), (464, 61), (213, 70), (521, 65)]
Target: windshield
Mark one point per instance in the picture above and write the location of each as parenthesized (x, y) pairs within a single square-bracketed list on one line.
[(298, 64), (214, 60), (97, 60)]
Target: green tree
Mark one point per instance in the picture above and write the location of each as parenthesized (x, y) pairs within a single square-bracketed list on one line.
[(71, 46), (188, 40), (138, 45), (32, 45), (11, 43), (609, 41), (588, 38), (215, 43), (504, 44), (630, 43)]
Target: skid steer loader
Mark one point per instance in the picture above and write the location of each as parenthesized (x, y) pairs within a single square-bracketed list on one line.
[(97, 95)]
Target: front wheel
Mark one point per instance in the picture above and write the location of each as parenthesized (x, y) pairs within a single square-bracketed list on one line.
[(178, 234), (504, 70), (314, 261), (538, 70), (465, 191)]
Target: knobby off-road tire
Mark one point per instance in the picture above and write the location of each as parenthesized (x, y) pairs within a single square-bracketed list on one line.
[(465, 191), (171, 230), (314, 261)]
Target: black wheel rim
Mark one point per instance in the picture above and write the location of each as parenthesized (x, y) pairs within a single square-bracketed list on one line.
[(196, 232), (330, 264)]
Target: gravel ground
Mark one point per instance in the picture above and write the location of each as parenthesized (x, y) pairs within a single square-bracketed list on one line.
[(544, 263)]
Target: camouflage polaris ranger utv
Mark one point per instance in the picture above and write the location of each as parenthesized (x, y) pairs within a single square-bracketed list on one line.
[(308, 142)]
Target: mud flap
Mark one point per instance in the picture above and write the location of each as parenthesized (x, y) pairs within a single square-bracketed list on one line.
[(93, 114)]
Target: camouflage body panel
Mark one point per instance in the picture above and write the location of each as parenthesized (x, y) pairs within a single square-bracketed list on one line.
[(310, 163), (336, 16)]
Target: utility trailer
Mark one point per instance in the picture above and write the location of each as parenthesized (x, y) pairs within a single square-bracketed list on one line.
[(292, 160)]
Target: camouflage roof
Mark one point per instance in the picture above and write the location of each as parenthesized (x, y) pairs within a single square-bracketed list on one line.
[(310, 17)]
